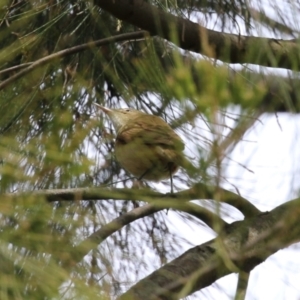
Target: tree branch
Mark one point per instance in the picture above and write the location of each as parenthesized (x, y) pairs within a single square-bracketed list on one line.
[(282, 93), (230, 48), (93, 241), (244, 245), (198, 191), (66, 52), (203, 191), (157, 202)]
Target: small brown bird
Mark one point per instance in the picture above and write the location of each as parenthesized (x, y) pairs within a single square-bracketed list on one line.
[(146, 146)]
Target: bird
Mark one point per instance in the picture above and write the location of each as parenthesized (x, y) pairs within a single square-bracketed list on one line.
[(145, 146)]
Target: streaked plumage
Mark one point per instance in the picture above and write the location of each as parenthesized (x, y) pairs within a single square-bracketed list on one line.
[(146, 146)]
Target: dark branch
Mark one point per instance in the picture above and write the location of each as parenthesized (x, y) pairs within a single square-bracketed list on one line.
[(245, 245), (66, 52), (191, 36)]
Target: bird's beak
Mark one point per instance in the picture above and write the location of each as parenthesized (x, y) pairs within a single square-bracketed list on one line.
[(106, 110)]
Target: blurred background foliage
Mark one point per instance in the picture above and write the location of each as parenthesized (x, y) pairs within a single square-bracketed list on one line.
[(52, 137)]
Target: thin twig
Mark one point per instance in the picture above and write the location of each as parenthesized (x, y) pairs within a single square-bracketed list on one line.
[(65, 52)]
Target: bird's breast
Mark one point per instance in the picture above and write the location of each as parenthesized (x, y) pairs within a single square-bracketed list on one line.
[(153, 162)]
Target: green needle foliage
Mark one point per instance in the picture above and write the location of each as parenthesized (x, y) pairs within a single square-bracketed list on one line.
[(51, 137)]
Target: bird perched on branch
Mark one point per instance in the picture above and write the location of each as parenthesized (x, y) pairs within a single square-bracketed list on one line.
[(146, 146)]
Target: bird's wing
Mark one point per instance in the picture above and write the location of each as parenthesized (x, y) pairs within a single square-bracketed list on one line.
[(151, 130)]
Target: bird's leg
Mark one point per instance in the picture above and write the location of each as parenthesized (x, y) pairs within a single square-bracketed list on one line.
[(171, 181), (172, 191), (139, 183), (141, 177)]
